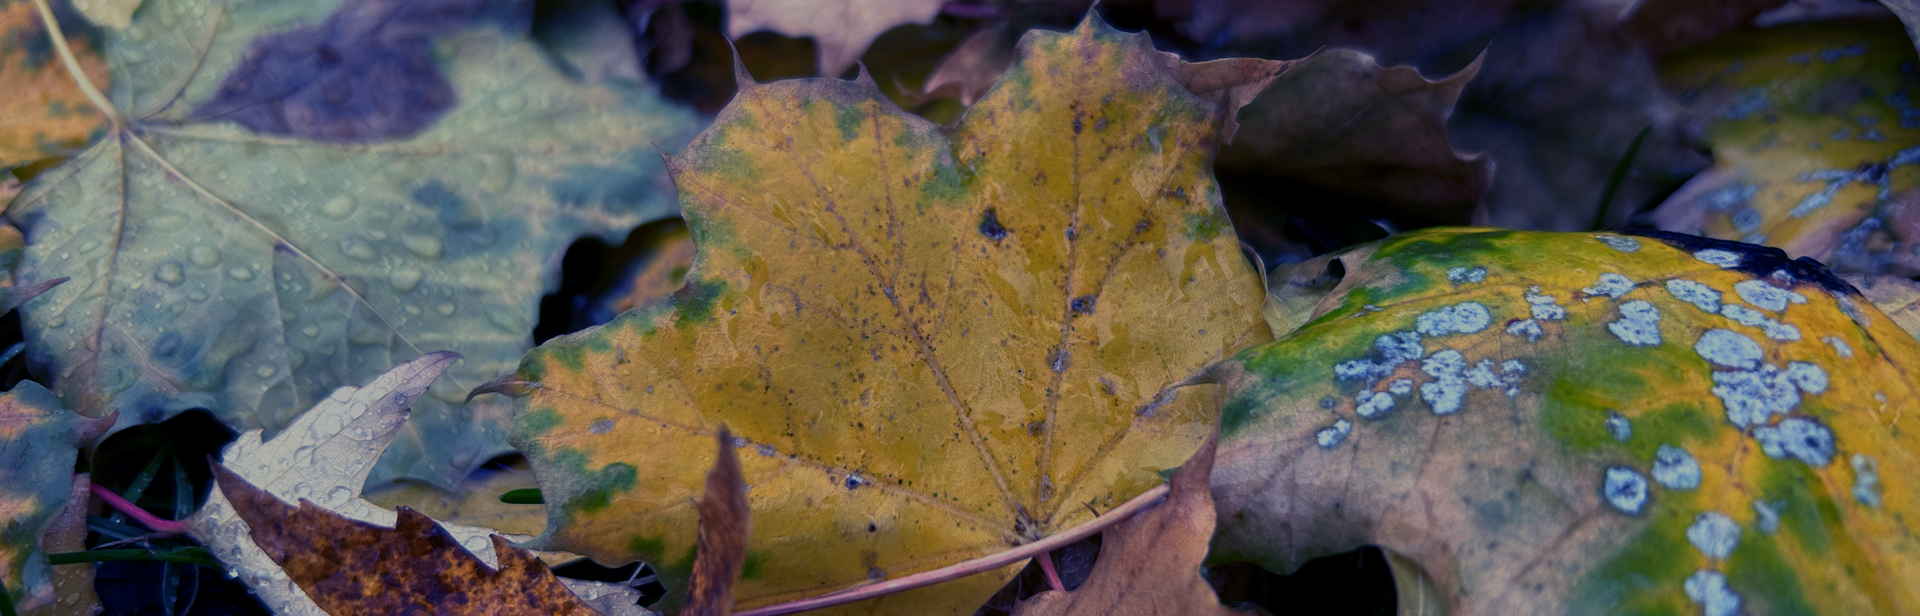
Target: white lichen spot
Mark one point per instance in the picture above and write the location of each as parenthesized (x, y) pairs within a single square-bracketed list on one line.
[(1799, 438), (1675, 469), (1708, 589), (1753, 397), (1483, 375), (1767, 515), (1625, 489), (1449, 386), (1866, 480), (1753, 318), (1714, 534), (1525, 328), (1467, 275), (1331, 436), (1639, 324), (1721, 258), (1611, 285), (1728, 348), (1544, 307), (1373, 404), (1699, 294), (1389, 350), (1400, 387), (1461, 318), (1618, 426), (1622, 244), (1808, 377), (1839, 346), (1764, 295)]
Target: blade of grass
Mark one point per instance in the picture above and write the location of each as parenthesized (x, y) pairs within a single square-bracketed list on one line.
[(523, 496), (138, 487), (182, 489), (192, 555), (1619, 175), (6, 601), (119, 531)]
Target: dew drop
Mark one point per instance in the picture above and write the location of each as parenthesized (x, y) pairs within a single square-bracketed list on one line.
[(239, 273), (204, 256), (339, 207), (170, 273), (266, 371), (337, 496)]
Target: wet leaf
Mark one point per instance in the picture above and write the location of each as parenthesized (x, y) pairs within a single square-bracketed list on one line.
[(725, 525), (1150, 564), (1815, 143), (43, 114), (1580, 423), (841, 29), (1342, 122), (246, 243), (933, 343), (351, 567), (11, 296), (324, 457), (38, 441), (115, 14), (72, 586)]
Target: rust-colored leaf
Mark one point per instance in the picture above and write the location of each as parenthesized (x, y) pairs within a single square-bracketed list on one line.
[(43, 112), (1150, 564), (352, 568), (725, 523)]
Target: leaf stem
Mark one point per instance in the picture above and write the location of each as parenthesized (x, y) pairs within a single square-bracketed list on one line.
[(73, 65), (970, 567), (134, 511), (1053, 576)]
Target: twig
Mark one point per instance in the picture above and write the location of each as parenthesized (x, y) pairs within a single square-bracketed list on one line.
[(966, 568), (134, 511)]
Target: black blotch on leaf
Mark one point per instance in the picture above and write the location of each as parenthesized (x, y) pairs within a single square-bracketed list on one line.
[(1082, 304), (1757, 261), (990, 226), (365, 74)]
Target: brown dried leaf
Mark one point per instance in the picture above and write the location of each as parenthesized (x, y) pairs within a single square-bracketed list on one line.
[(1150, 565), (1898, 297), (725, 523), (351, 568), (1345, 123), (973, 65)]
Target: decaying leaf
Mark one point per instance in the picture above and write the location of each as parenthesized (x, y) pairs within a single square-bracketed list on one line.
[(324, 457), (841, 29), (1347, 124), (1581, 423), (38, 441), (351, 568), (301, 199), (1898, 297), (1815, 141), (725, 524), (934, 342), (973, 66), (72, 585), (43, 113), (1150, 564)]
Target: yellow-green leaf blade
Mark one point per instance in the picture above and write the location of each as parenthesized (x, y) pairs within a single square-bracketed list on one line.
[(931, 345)]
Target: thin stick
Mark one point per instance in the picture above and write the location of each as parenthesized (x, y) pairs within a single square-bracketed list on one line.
[(1053, 576), (966, 568), (134, 511), (73, 64)]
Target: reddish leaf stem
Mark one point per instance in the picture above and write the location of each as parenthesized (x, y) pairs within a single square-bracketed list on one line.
[(139, 515), (1053, 576), (966, 568)]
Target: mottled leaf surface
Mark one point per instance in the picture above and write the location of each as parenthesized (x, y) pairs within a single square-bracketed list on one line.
[(352, 568), (932, 343), (1583, 423), (1816, 143), (38, 440), (1150, 564), (307, 194), (43, 113)]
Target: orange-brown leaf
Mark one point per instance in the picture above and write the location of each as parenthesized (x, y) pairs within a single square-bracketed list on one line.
[(1150, 565), (725, 523), (351, 568)]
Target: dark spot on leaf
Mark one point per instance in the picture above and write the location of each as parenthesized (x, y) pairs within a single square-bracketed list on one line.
[(1059, 359), (1082, 304), (990, 226)]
